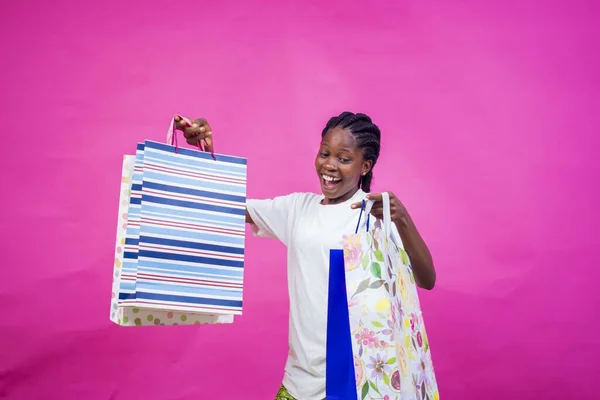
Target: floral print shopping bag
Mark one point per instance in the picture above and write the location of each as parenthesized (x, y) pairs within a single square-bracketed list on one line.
[(392, 357)]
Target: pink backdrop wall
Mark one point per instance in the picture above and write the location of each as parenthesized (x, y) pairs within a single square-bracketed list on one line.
[(489, 112)]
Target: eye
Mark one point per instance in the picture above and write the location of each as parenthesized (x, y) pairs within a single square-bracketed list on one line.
[(323, 154), (345, 160)]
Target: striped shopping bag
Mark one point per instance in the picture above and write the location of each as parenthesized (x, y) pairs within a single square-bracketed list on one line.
[(184, 243), (132, 230), (192, 229)]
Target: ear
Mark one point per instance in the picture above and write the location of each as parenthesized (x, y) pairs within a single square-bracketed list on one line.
[(366, 167)]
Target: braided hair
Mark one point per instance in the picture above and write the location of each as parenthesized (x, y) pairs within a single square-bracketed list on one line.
[(367, 136)]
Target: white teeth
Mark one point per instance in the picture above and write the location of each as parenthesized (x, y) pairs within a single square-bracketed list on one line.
[(329, 178)]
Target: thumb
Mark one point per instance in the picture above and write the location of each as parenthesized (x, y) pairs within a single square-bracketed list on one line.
[(208, 143)]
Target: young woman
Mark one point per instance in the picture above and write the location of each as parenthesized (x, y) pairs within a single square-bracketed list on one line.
[(312, 224)]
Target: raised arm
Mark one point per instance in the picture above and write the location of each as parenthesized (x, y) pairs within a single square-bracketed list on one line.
[(420, 257)]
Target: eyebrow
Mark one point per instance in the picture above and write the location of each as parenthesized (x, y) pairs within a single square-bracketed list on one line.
[(341, 150)]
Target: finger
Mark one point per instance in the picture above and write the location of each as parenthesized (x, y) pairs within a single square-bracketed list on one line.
[(377, 211), (374, 196), (196, 132), (189, 133), (181, 122), (181, 125), (197, 140), (200, 121), (356, 205), (202, 124), (208, 143), (378, 216)]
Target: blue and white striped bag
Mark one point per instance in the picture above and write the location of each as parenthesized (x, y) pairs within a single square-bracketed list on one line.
[(132, 231), (185, 235)]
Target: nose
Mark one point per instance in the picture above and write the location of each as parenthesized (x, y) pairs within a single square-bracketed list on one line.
[(330, 166)]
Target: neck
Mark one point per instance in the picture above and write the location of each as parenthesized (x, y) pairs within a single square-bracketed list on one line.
[(341, 199)]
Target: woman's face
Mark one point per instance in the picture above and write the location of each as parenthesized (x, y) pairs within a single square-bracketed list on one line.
[(340, 165)]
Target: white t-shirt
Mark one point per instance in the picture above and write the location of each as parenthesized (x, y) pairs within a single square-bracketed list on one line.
[(309, 230)]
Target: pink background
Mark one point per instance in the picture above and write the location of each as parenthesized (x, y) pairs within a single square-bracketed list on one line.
[(489, 112)]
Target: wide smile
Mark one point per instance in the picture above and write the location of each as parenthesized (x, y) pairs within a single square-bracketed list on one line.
[(329, 182)]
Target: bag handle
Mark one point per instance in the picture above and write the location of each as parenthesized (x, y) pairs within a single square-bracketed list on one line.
[(172, 135), (388, 230), (366, 208)]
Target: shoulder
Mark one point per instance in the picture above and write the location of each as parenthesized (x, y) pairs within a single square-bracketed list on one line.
[(291, 200), (301, 200), (302, 196), (305, 196)]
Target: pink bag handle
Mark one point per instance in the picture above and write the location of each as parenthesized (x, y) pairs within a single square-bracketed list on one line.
[(172, 135)]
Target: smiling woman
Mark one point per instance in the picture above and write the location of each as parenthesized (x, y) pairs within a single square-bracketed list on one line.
[(311, 224), (350, 148), (340, 165)]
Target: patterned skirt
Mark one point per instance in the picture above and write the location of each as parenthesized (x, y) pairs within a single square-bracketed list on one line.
[(283, 394)]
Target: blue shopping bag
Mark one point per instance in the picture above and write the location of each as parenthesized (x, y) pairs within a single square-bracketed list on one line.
[(340, 376), (340, 380)]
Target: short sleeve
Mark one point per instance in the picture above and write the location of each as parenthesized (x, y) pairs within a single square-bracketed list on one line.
[(273, 217)]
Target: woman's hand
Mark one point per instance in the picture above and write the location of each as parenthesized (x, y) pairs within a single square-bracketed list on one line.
[(397, 210), (198, 131), (415, 246)]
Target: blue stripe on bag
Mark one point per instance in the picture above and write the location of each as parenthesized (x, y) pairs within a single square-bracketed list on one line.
[(192, 205), (340, 380), (194, 153)]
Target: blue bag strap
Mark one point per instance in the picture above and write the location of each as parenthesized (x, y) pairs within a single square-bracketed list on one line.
[(340, 378), (366, 208)]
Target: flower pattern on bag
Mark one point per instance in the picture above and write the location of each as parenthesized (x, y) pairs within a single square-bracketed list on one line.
[(352, 252), (392, 359)]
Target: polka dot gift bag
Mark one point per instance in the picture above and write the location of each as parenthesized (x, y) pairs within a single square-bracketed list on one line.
[(179, 250), (377, 347)]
